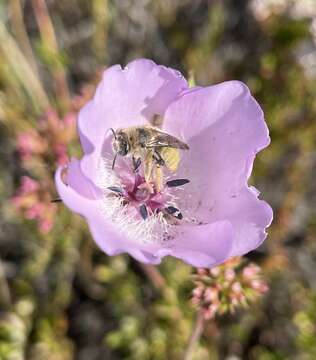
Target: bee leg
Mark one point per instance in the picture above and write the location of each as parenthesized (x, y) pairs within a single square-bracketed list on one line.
[(148, 166), (160, 161), (136, 163), (116, 189), (158, 178)]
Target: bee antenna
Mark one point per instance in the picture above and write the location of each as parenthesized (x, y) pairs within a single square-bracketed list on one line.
[(113, 163), (114, 133)]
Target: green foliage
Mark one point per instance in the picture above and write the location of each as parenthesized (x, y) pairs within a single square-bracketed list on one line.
[(305, 320)]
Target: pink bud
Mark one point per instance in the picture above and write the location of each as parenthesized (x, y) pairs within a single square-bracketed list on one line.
[(69, 119), (61, 154), (45, 226), (25, 143), (35, 211), (215, 271), (198, 291), (16, 201), (237, 288), (202, 271), (208, 314), (250, 271), (211, 294), (259, 285), (229, 274), (28, 185), (195, 301), (234, 300)]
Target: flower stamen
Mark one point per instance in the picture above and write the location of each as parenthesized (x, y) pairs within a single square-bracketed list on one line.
[(177, 182), (116, 189), (143, 211)]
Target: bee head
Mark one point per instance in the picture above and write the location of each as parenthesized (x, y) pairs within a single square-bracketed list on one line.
[(120, 144)]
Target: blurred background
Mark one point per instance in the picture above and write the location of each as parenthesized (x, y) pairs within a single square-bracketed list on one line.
[(60, 297)]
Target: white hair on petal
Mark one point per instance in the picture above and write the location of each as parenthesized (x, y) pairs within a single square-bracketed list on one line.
[(127, 221), (106, 176)]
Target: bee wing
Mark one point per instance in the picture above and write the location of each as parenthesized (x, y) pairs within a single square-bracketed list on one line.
[(171, 157), (161, 139)]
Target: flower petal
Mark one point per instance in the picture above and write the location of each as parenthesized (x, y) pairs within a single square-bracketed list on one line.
[(203, 245), (224, 127), (76, 199), (80, 183)]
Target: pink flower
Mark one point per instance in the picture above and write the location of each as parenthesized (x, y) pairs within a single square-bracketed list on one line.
[(230, 274), (45, 225), (35, 211), (210, 312), (250, 271), (224, 128), (211, 294), (29, 143), (237, 288), (28, 185), (259, 285), (61, 153)]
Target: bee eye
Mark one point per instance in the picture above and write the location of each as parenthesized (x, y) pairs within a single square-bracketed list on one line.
[(125, 147)]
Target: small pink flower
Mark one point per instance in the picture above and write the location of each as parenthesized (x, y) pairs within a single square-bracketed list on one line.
[(198, 292), (202, 271), (34, 211), (210, 312), (229, 274), (29, 143), (211, 294), (237, 288), (234, 301), (25, 143), (70, 119), (222, 291), (16, 201), (61, 154), (32, 202), (221, 216), (45, 225), (28, 185), (250, 271), (259, 285), (215, 271)]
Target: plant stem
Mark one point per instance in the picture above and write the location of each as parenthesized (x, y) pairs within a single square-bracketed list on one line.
[(48, 37), (20, 33), (22, 70), (154, 275), (195, 336), (5, 296)]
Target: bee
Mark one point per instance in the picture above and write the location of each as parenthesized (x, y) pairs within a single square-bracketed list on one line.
[(149, 146)]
